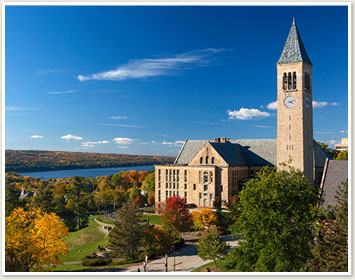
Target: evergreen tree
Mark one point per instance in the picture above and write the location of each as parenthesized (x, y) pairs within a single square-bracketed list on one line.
[(274, 216), (210, 246), (12, 200), (44, 199), (126, 236), (330, 251)]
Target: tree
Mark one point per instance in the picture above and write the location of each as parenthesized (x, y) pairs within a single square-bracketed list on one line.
[(33, 239), (342, 155), (176, 216), (125, 238), (210, 246), (44, 199), (274, 216), (149, 181), (12, 201), (150, 198), (332, 152), (330, 249), (156, 240), (203, 218)]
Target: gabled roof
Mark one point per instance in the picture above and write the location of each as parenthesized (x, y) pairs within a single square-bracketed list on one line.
[(244, 152), (294, 50), (231, 153), (335, 172)]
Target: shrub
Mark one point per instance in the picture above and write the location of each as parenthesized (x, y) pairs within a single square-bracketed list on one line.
[(96, 262)]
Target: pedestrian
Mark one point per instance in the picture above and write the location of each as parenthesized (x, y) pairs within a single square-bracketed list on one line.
[(208, 269), (145, 266), (138, 270)]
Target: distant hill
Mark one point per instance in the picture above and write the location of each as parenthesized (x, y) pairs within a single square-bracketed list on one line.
[(31, 160)]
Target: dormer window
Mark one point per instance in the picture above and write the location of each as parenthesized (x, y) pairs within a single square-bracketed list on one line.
[(212, 160), (207, 160)]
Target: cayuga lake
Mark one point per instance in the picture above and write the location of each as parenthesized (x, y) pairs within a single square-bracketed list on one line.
[(91, 172)]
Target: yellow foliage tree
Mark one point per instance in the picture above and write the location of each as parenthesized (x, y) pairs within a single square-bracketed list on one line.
[(203, 218), (33, 239)]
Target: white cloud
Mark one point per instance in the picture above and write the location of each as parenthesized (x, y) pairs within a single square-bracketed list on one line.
[(118, 117), (263, 126), (272, 105), (17, 108), (153, 142), (123, 140), (343, 131), (246, 114), (323, 132), (91, 144), (176, 143), (321, 104), (150, 67), (332, 142), (62, 92), (36, 136), (122, 125), (123, 147), (71, 137)]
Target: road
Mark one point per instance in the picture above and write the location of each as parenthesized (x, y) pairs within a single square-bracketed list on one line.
[(186, 259)]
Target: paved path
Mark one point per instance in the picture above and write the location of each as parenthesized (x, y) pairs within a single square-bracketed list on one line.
[(186, 259)]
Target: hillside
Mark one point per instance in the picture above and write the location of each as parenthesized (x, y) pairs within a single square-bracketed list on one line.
[(31, 160)]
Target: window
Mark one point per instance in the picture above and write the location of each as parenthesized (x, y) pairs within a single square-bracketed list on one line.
[(289, 127), (178, 175), (221, 188), (289, 80), (173, 193), (212, 160), (284, 81), (307, 81), (201, 160), (294, 82), (289, 117), (205, 177), (174, 175), (200, 176), (173, 185), (194, 187), (159, 196), (211, 197), (185, 197), (207, 160), (159, 175), (289, 137), (200, 195), (205, 188), (167, 186), (177, 193), (169, 174), (166, 194), (211, 176), (159, 185), (177, 185), (185, 186), (185, 175), (169, 193), (166, 175)]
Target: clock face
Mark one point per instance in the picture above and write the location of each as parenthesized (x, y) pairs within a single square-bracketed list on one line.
[(307, 101), (290, 101)]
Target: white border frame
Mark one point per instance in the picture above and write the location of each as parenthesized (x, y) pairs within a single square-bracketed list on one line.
[(343, 3)]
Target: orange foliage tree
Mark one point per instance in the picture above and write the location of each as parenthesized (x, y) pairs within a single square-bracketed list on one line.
[(156, 240), (33, 239), (204, 218)]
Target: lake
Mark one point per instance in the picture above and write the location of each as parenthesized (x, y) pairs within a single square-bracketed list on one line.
[(91, 172)]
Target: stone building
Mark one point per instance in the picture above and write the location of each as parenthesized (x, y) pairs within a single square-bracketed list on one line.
[(206, 169)]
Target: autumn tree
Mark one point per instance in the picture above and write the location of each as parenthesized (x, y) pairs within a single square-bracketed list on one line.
[(156, 240), (211, 246), (150, 198), (342, 155), (203, 218), (275, 215), (176, 217), (126, 236), (330, 248), (33, 239)]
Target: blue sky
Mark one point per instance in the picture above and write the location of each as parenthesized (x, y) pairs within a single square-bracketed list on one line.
[(140, 80)]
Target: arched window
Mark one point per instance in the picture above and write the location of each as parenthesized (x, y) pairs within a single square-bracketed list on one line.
[(205, 177), (207, 160), (284, 81), (289, 81), (212, 160), (201, 160), (294, 82)]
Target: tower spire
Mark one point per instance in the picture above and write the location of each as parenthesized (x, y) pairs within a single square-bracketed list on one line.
[(294, 50)]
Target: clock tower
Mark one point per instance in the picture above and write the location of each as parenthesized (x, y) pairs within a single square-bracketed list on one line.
[(294, 106)]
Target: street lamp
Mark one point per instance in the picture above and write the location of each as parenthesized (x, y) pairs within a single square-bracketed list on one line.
[(173, 248)]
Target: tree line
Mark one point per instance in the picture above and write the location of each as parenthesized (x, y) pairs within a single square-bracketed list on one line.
[(31, 160)]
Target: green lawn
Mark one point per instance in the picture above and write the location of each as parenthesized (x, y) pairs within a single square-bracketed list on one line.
[(85, 241), (221, 267), (153, 219)]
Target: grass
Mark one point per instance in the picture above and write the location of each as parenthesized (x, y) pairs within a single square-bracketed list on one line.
[(221, 267), (153, 219), (85, 241)]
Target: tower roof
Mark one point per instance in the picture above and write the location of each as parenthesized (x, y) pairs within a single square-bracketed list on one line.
[(294, 50)]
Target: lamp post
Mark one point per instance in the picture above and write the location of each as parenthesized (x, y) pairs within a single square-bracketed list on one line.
[(173, 248)]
